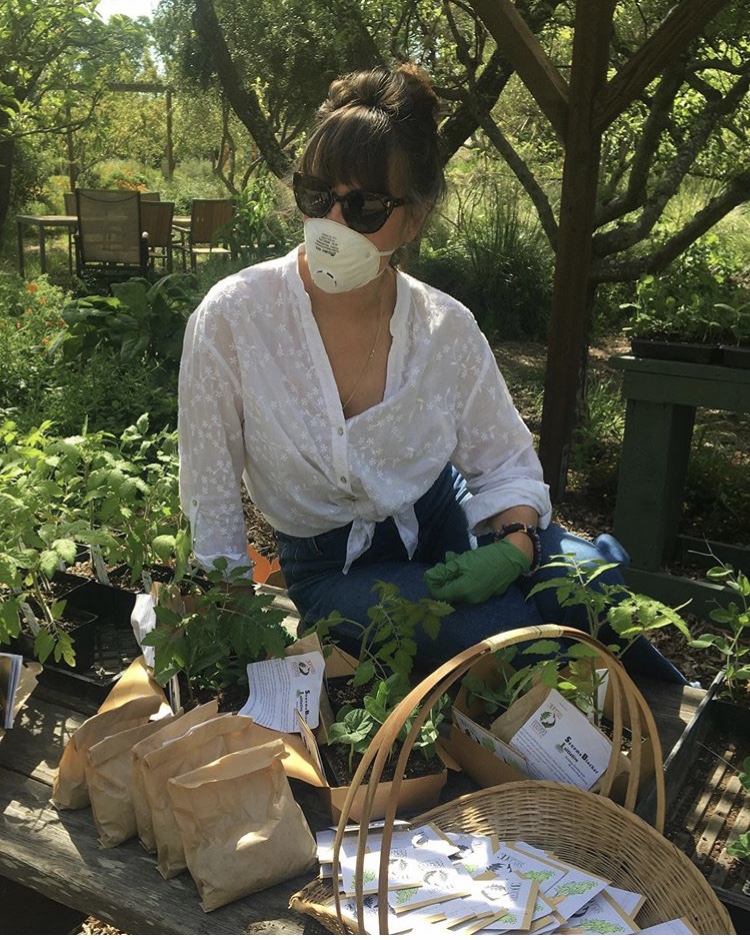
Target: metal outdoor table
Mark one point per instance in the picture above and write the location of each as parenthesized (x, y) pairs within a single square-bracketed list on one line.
[(42, 223)]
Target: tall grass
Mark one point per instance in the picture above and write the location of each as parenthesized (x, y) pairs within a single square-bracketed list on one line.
[(487, 250)]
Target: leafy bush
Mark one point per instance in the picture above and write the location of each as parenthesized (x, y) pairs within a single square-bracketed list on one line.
[(139, 320), (494, 259), (29, 321), (695, 300), (264, 226)]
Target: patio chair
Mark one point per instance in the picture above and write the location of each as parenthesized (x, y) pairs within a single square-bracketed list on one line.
[(156, 219), (109, 238), (209, 234)]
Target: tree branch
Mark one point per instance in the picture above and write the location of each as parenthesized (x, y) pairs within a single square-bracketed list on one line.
[(242, 99), (630, 269)]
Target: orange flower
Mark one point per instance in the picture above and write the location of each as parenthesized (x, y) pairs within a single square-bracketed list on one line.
[(18, 326), (44, 341), (42, 300), (32, 288)]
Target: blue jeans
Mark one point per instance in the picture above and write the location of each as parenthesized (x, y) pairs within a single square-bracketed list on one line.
[(312, 568)]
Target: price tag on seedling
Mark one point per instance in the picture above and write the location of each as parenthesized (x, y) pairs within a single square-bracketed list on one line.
[(282, 688)]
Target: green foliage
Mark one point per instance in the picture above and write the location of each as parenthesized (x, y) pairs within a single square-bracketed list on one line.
[(262, 227), (29, 321), (211, 628), (388, 641), (385, 665), (140, 320), (118, 496), (695, 300), (629, 615), (491, 255), (108, 387), (740, 847), (733, 643), (355, 728)]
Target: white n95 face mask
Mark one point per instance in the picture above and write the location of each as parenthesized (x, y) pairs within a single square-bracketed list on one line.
[(339, 258)]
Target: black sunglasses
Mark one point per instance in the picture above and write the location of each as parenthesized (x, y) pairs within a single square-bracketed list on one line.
[(364, 212)]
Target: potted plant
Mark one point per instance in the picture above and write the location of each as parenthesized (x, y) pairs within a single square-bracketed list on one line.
[(503, 688), (381, 678), (665, 326), (208, 630), (737, 353)]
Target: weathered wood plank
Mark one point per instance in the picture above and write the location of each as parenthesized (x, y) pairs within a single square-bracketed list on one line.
[(58, 855), (672, 706)]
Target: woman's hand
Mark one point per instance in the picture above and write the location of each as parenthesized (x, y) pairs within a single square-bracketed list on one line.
[(474, 576)]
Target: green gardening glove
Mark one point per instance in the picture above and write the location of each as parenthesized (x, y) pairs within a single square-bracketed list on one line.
[(474, 576)]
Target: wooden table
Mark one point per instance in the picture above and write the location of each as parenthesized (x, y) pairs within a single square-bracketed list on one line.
[(57, 854), (42, 223), (662, 397)]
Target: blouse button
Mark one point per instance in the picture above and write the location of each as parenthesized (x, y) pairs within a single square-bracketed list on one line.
[(339, 431), (343, 479)]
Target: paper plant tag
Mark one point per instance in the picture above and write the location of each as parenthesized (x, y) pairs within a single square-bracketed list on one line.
[(403, 872), (600, 915), (510, 859), (506, 903), (281, 689), (493, 744), (630, 901), (559, 743), (576, 888), (439, 882), (397, 923), (473, 851), (429, 838), (670, 928)]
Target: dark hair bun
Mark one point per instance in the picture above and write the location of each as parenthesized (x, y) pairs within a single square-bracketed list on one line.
[(403, 93)]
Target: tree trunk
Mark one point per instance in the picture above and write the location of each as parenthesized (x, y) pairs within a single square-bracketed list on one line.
[(7, 152)]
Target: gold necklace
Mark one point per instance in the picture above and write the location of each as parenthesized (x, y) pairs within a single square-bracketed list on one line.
[(369, 359)]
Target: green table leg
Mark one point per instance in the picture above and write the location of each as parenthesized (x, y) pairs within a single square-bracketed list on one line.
[(651, 482)]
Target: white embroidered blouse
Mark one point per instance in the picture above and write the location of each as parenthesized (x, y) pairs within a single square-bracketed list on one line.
[(258, 400)]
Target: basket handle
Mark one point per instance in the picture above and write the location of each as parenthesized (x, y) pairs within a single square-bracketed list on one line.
[(633, 709)]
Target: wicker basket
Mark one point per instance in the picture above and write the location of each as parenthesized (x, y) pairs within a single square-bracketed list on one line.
[(584, 828)]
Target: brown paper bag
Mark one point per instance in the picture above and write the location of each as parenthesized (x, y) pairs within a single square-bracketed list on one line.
[(108, 779), (241, 828), (200, 745), (69, 790), (141, 807)]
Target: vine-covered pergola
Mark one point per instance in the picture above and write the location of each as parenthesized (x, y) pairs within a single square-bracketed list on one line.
[(580, 110)]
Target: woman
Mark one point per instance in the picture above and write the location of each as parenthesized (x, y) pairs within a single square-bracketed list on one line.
[(364, 408)]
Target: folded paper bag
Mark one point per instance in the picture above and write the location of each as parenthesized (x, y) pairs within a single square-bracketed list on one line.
[(202, 744), (241, 828), (181, 724), (108, 779), (69, 788)]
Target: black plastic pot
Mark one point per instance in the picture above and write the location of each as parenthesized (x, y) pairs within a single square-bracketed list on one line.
[(104, 649), (738, 357), (106, 601), (677, 351)]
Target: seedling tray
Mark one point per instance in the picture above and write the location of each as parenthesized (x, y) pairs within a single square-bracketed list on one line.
[(707, 807), (114, 648)]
